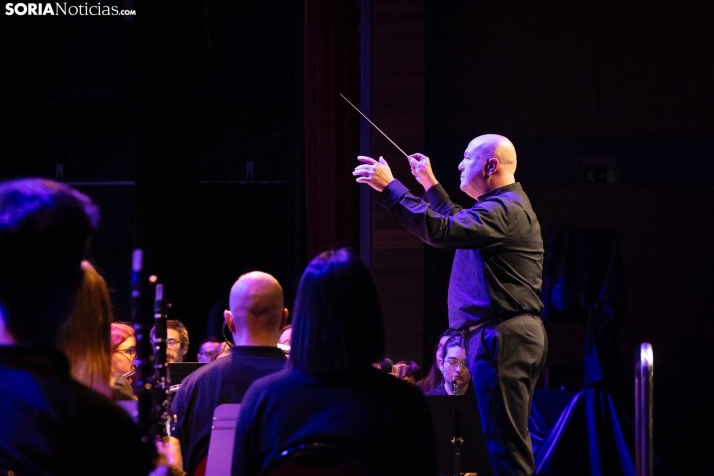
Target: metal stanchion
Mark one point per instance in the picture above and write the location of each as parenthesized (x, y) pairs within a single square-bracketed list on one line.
[(643, 410)]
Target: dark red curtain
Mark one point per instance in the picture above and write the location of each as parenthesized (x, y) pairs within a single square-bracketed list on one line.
[(331, 126)]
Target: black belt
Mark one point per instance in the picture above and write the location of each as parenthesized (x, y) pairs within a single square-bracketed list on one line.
[(468, 330)]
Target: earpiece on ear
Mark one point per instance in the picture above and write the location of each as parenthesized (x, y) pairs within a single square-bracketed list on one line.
[(490, 166)]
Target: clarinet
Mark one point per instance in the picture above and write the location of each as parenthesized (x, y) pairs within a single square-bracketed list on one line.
[(144, 357), (160, 387), (457, 441), (145, 371)]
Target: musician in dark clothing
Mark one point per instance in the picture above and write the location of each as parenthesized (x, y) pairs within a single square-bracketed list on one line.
[(435, 378), (51, 424), (255, 319), (454, 369), (330, 394), (494, 290)]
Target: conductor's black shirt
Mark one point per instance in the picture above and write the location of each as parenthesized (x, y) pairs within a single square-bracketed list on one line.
[(498, 265)]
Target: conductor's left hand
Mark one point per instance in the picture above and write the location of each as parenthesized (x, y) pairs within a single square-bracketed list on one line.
[(375, 174)]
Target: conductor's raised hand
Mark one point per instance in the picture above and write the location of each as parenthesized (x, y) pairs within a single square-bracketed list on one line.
[(421, 170), (375, 174)]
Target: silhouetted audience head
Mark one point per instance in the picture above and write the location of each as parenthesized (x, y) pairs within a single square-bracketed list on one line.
[(85, 337), (337, 324), (45, 230), (176, 340)]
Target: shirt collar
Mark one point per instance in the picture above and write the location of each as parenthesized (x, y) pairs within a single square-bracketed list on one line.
[(511, 187), (257, 350)]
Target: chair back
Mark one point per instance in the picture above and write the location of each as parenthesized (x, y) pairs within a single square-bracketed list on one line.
[(223, 432), (316, 459)]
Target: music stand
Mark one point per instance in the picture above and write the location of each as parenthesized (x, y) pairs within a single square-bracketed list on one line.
[(457, 417), (177, 371)]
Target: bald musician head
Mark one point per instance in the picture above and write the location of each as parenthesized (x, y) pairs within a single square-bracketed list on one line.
[(257, 312), (489, 163)]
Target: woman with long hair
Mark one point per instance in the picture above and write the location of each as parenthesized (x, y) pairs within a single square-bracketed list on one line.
[(435, 377), (84, 338), (330, 394)]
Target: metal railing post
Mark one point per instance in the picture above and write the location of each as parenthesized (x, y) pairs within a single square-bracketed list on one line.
[(643, 410)]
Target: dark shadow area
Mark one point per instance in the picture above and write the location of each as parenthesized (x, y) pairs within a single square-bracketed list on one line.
[(184, 123)]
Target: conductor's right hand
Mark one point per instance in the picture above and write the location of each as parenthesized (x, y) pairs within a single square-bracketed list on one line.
[(421, 170), (375, 174)]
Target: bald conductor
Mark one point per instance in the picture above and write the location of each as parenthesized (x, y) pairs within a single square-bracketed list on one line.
[(494, 289), (256, 316)]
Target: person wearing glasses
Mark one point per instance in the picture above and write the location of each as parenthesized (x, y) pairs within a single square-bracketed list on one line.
[(176, 340), (454, 368), (207, 349), (123, 350), (435, 378)]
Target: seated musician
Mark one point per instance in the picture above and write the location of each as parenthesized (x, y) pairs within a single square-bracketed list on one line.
[(434, 378), (223, 350), (207, 349), (454, 369), (256, 316), (123, 348), (330, 393), (52, 424), (176, 340)]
